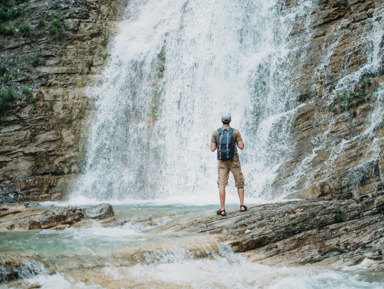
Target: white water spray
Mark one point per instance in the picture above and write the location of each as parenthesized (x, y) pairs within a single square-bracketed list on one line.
[(175, 67)]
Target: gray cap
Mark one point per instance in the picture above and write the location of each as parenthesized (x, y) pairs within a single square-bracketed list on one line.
[(226, 117)]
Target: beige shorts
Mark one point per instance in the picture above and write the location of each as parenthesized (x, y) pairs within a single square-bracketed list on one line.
[(223, 169)]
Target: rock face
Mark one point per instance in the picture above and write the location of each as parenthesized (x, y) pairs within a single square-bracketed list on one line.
[(48, 63), (338, 129), (329, 233)]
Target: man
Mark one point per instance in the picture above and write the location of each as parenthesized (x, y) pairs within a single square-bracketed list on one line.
[(231, 165)]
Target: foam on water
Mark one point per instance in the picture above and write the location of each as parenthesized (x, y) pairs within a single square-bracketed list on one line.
[(222, 270)]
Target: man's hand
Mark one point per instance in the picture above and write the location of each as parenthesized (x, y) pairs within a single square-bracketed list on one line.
[(213, 146), (240, 145)]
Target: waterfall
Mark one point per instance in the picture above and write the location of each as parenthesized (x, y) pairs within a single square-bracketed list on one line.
[(175, 66)]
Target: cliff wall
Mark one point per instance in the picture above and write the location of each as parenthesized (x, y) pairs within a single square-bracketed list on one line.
[(50, 51), (338, 126)]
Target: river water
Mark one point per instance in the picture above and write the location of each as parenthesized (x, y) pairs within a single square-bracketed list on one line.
[(175, 66), (138, 254)]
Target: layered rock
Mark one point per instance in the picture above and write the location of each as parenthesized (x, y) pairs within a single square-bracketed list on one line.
[(42, 136), (322, 233), (338, 127), (23, 218)]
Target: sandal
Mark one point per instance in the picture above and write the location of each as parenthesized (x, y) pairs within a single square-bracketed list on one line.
[(243, 206), (220, 212)]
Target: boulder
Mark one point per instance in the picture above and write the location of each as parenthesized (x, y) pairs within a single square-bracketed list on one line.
[(100, 212)]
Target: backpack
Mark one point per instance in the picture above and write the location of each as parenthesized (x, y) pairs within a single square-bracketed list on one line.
[(225, 145)]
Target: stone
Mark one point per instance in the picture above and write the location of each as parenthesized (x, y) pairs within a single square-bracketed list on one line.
[(367, 262), (31, 141), (100, 212), (21, 218), (322, 233), (34, 225), (340, 160)]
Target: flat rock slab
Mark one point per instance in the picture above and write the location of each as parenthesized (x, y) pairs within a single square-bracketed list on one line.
[(21, 217), (329, 233)]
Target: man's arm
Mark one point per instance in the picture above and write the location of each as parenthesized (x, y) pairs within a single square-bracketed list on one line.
[(213, 146), (240, 145)]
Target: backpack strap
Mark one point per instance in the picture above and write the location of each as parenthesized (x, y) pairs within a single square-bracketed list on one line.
[(219, 141)]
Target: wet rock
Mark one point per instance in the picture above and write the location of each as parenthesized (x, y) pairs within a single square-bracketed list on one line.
[(325, 233), (21, 217), (33, 225), (39, 159), (13, 269), (334, 156), (61, 216), (100, 212)]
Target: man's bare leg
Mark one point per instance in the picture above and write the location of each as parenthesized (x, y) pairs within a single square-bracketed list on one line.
[(240, 191), (222, 197)]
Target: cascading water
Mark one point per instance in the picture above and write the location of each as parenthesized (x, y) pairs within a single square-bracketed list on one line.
[(175, 67)]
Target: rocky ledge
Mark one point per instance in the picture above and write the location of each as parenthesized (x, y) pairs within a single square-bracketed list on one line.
[(319, 233), (21, 217), (323, 233)]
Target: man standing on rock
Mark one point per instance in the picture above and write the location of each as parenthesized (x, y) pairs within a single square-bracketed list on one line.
[(226, 140)]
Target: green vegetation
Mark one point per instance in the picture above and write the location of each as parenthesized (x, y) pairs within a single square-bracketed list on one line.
[(90, 65), (161, 63), (57, 26), (344, 101), (7, 29), (155, 105), (7, 15), (3, 67), (25, 29), (40, 24), (340, 215), (27, 92), (363, 92), (261, 216), (6, 78), (14, 21), (6, 99), (36, 59)]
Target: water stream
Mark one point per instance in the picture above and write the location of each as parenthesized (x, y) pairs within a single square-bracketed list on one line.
[(175, 66), (138, 254)]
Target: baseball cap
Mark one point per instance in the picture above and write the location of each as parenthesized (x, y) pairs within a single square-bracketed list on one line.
[(226, 117)]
